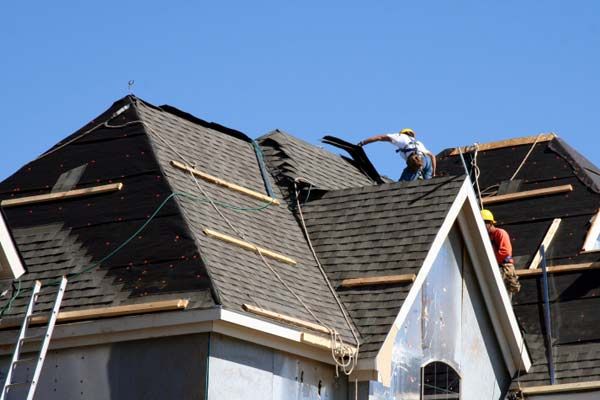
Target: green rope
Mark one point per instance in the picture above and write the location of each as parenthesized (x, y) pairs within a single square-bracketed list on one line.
[(193, 197)]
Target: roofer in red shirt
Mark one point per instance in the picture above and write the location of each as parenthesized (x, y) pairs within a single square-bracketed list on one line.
[(503, 252)]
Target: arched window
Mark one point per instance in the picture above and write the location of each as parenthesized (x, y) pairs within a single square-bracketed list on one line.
[(439, 381)]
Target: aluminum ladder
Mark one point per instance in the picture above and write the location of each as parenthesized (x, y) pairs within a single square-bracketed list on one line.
[(9, 385)]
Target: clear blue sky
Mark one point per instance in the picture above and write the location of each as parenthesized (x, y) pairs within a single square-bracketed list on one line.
[(457, 72)]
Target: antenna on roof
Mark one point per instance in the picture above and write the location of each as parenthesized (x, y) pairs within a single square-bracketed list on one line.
[(130, 86)]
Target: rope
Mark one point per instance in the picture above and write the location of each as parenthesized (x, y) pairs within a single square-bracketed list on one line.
[(334, 335), (92, 129), (353, 358), (526, 156)]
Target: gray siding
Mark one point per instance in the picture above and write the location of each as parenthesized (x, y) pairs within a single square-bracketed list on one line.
[(244, 371), (163, 368)]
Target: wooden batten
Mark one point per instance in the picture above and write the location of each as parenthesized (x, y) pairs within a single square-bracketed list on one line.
[(526, 273), (221, 182), (561, 388), (527, 194), (378, 280), (249, 246), (43, 198), (324, 342), (506, 143), (104, 312), (285, 318), (546, 243)]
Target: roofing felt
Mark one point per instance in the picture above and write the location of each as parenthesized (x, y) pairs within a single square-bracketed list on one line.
[(134, 142), (377, 231), (574, 296), (75, 236)]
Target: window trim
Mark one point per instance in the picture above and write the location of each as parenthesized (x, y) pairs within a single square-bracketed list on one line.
[(592, 235), (450, 364)]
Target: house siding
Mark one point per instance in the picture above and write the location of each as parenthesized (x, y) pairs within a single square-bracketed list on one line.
[(162, 368), (242, 370)]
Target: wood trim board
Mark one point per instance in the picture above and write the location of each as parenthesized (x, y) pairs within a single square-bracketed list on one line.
[(527, 194), (249, 246), (285, 318), (223, 183), (506, 143), (526, 273), (42, 198), (378, 280), (103, 312), (545, 242)]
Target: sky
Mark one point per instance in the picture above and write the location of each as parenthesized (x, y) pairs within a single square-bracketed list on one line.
[(457, 72)]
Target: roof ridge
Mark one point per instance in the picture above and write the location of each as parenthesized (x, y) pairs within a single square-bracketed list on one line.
[(499, 144)]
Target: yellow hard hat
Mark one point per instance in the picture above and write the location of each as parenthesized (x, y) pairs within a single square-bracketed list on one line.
[(408, 131), (488, 216)]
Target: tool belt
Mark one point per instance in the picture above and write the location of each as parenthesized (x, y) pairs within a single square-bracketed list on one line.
[(415, 162), (511, 280)]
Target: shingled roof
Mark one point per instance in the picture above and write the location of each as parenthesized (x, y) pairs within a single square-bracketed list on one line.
[(90, 238), (574, 295), (377, 231)]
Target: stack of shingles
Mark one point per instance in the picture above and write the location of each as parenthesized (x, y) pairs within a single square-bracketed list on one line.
[(289, 157)]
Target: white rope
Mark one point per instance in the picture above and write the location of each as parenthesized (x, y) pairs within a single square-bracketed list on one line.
[(339, 350), (526, 156), (352, 358), (477, 173)]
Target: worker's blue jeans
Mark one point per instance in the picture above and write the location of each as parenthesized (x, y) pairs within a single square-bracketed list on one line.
[(424, 173)]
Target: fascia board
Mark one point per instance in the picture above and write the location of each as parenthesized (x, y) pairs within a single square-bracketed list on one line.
[(10, 260), (174, 323), (492, 287), (383, 358)]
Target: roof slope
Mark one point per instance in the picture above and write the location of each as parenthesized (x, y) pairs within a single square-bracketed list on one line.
[(239, 276), (575, 296), (90, 238), (81, 237), (377, 231)]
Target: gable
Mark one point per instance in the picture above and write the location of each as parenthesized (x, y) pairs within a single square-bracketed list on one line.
[(464, 215), (447, 322)]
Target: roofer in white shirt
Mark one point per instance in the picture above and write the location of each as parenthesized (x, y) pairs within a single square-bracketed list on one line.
[(420, 162)]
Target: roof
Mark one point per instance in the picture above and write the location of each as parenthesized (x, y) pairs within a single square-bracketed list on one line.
[(90, 238), (377, 231), (574, 295)]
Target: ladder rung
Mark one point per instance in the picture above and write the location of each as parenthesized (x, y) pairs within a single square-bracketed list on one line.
[(25, 360), (12, 385), (32, 338)]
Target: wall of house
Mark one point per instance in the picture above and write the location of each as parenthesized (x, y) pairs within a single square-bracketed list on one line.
[(162, 368), (448, 322), (241, 370)]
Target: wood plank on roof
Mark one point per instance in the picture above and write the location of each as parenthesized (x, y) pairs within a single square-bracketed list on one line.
[(527, 194), (378, 280), (506, 143), (42, 198), (525, 273), (546, 243), (221, 182), (103, 312), (285, 318), (249, 246), (561, 388)]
